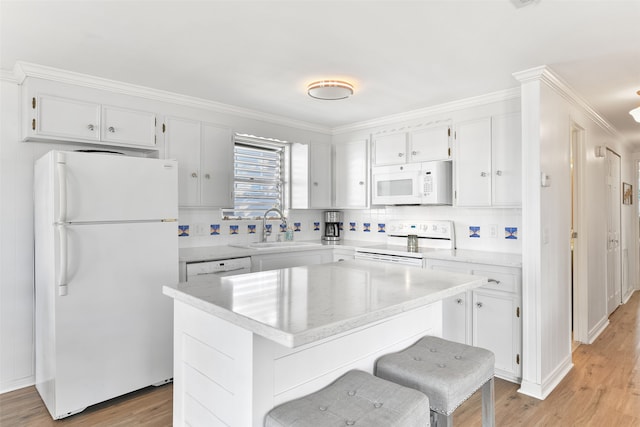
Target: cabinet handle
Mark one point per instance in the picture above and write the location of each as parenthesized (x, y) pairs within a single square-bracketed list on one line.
[(361, 183), (315, 184), (194, 175), (207, 176), (483, 174), (400, 154), (479, 304), (414, 153), (499, 173), (497, 282), (91, 127), (459, 301), (111, 129)]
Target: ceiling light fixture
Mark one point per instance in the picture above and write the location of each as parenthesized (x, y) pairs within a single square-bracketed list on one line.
[(330, 89), (635, 113)]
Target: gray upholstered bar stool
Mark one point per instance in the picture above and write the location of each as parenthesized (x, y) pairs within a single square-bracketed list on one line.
[(355, 399), (448, 372)]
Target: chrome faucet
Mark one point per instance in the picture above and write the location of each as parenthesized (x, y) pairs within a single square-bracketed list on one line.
[(265, 232)]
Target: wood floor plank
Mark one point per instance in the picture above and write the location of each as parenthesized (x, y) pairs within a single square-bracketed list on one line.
[(602, 389)]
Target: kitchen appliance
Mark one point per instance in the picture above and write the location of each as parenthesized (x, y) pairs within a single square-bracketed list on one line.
[(430, 235), (105, 244), (332, 220), (426, 183), (218, 268)]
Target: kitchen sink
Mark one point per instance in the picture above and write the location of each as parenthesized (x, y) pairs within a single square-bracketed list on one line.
[(272, 245)]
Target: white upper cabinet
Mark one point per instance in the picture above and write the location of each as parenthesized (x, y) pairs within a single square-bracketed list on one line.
[(351, 172), (320, 176), (506, 159), (205, 162), (429, 144), (390, 149), (423, 145), (51, 117), (487, 162), (310, 180)]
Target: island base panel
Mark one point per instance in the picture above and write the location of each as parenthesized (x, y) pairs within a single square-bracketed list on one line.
[(225, 375)]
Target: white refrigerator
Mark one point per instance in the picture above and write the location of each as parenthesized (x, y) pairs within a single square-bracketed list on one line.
[(106, 242)]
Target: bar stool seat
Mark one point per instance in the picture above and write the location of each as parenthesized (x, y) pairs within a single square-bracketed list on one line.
[(448, 372), (355, 399)]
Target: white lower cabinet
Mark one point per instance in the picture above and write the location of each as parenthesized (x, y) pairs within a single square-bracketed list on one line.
[(488, 317), (289, 259)]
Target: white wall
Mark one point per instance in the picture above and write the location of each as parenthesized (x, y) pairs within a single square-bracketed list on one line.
[(549, 109)]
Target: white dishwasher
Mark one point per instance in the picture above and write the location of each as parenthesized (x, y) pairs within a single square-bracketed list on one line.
[(218, 268)]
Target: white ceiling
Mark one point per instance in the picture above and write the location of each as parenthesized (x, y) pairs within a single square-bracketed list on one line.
[(401, 55)]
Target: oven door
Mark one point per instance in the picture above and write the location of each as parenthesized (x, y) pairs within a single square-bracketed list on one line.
[(396, 185)]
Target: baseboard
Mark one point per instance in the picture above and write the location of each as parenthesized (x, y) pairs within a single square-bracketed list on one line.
[(8, 386), (541, 391), (595, 332), (627, 297)]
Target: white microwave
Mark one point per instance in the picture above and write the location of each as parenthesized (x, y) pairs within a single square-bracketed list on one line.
[(427, 183)]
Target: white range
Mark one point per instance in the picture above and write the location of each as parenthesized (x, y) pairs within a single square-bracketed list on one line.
[(431, 235)]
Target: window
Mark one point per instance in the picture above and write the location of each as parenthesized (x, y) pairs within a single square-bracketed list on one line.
[(258, 176)]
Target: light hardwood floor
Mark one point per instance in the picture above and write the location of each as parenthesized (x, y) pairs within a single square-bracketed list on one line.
[(603, 389)]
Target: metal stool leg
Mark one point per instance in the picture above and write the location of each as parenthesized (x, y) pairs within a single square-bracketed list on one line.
[(488, 407)]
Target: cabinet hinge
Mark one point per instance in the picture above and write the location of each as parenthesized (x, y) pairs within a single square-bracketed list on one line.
[(33, 102), (449, 152), (449, 132), (517, 311), (164, 128), (33, 124), (518, 359)]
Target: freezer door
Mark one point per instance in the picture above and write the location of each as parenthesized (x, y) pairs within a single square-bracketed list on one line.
[(113, 329), (110, 187)]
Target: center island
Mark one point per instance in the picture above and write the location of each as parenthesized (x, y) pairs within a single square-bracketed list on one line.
[(244, 344)]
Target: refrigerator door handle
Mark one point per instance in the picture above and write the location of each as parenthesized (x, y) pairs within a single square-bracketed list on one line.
[(62, 188), (62, 267)]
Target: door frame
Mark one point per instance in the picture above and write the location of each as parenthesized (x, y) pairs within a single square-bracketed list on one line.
[(620, 258), (580, 263)]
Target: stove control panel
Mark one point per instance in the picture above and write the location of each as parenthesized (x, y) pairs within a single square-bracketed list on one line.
[(432, 229)]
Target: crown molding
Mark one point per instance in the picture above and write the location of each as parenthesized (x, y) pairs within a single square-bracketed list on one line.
[(8, 76), (421, 113), (546, 75), (22, 70)]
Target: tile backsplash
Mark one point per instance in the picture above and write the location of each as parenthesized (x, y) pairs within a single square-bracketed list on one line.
[(476, 228)]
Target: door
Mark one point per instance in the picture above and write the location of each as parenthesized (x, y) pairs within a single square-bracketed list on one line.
[(473, 163), (113, 329), (124, 126), (108, 187), (350, 174), (614, 259), (429, 144), (216, 184)]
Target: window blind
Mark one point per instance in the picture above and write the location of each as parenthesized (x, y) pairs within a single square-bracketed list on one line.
[(257, 175)]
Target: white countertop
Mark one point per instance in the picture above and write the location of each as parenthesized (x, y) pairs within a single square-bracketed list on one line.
[(301, 305)]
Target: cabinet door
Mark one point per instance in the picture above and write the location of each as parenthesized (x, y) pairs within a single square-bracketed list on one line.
[(506, 152), (130, 127), (183, 143), (320, 176), (390, 149), (350, 174), (63, 118), (496, 327), (456, 320), (473, 163), (429, 144), (216, 166)]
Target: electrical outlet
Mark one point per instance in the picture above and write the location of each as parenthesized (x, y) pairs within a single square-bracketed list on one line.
[(199, 229), (493, 230)]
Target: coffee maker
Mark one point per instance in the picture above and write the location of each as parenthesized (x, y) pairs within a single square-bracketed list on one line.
[(332, 220)]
